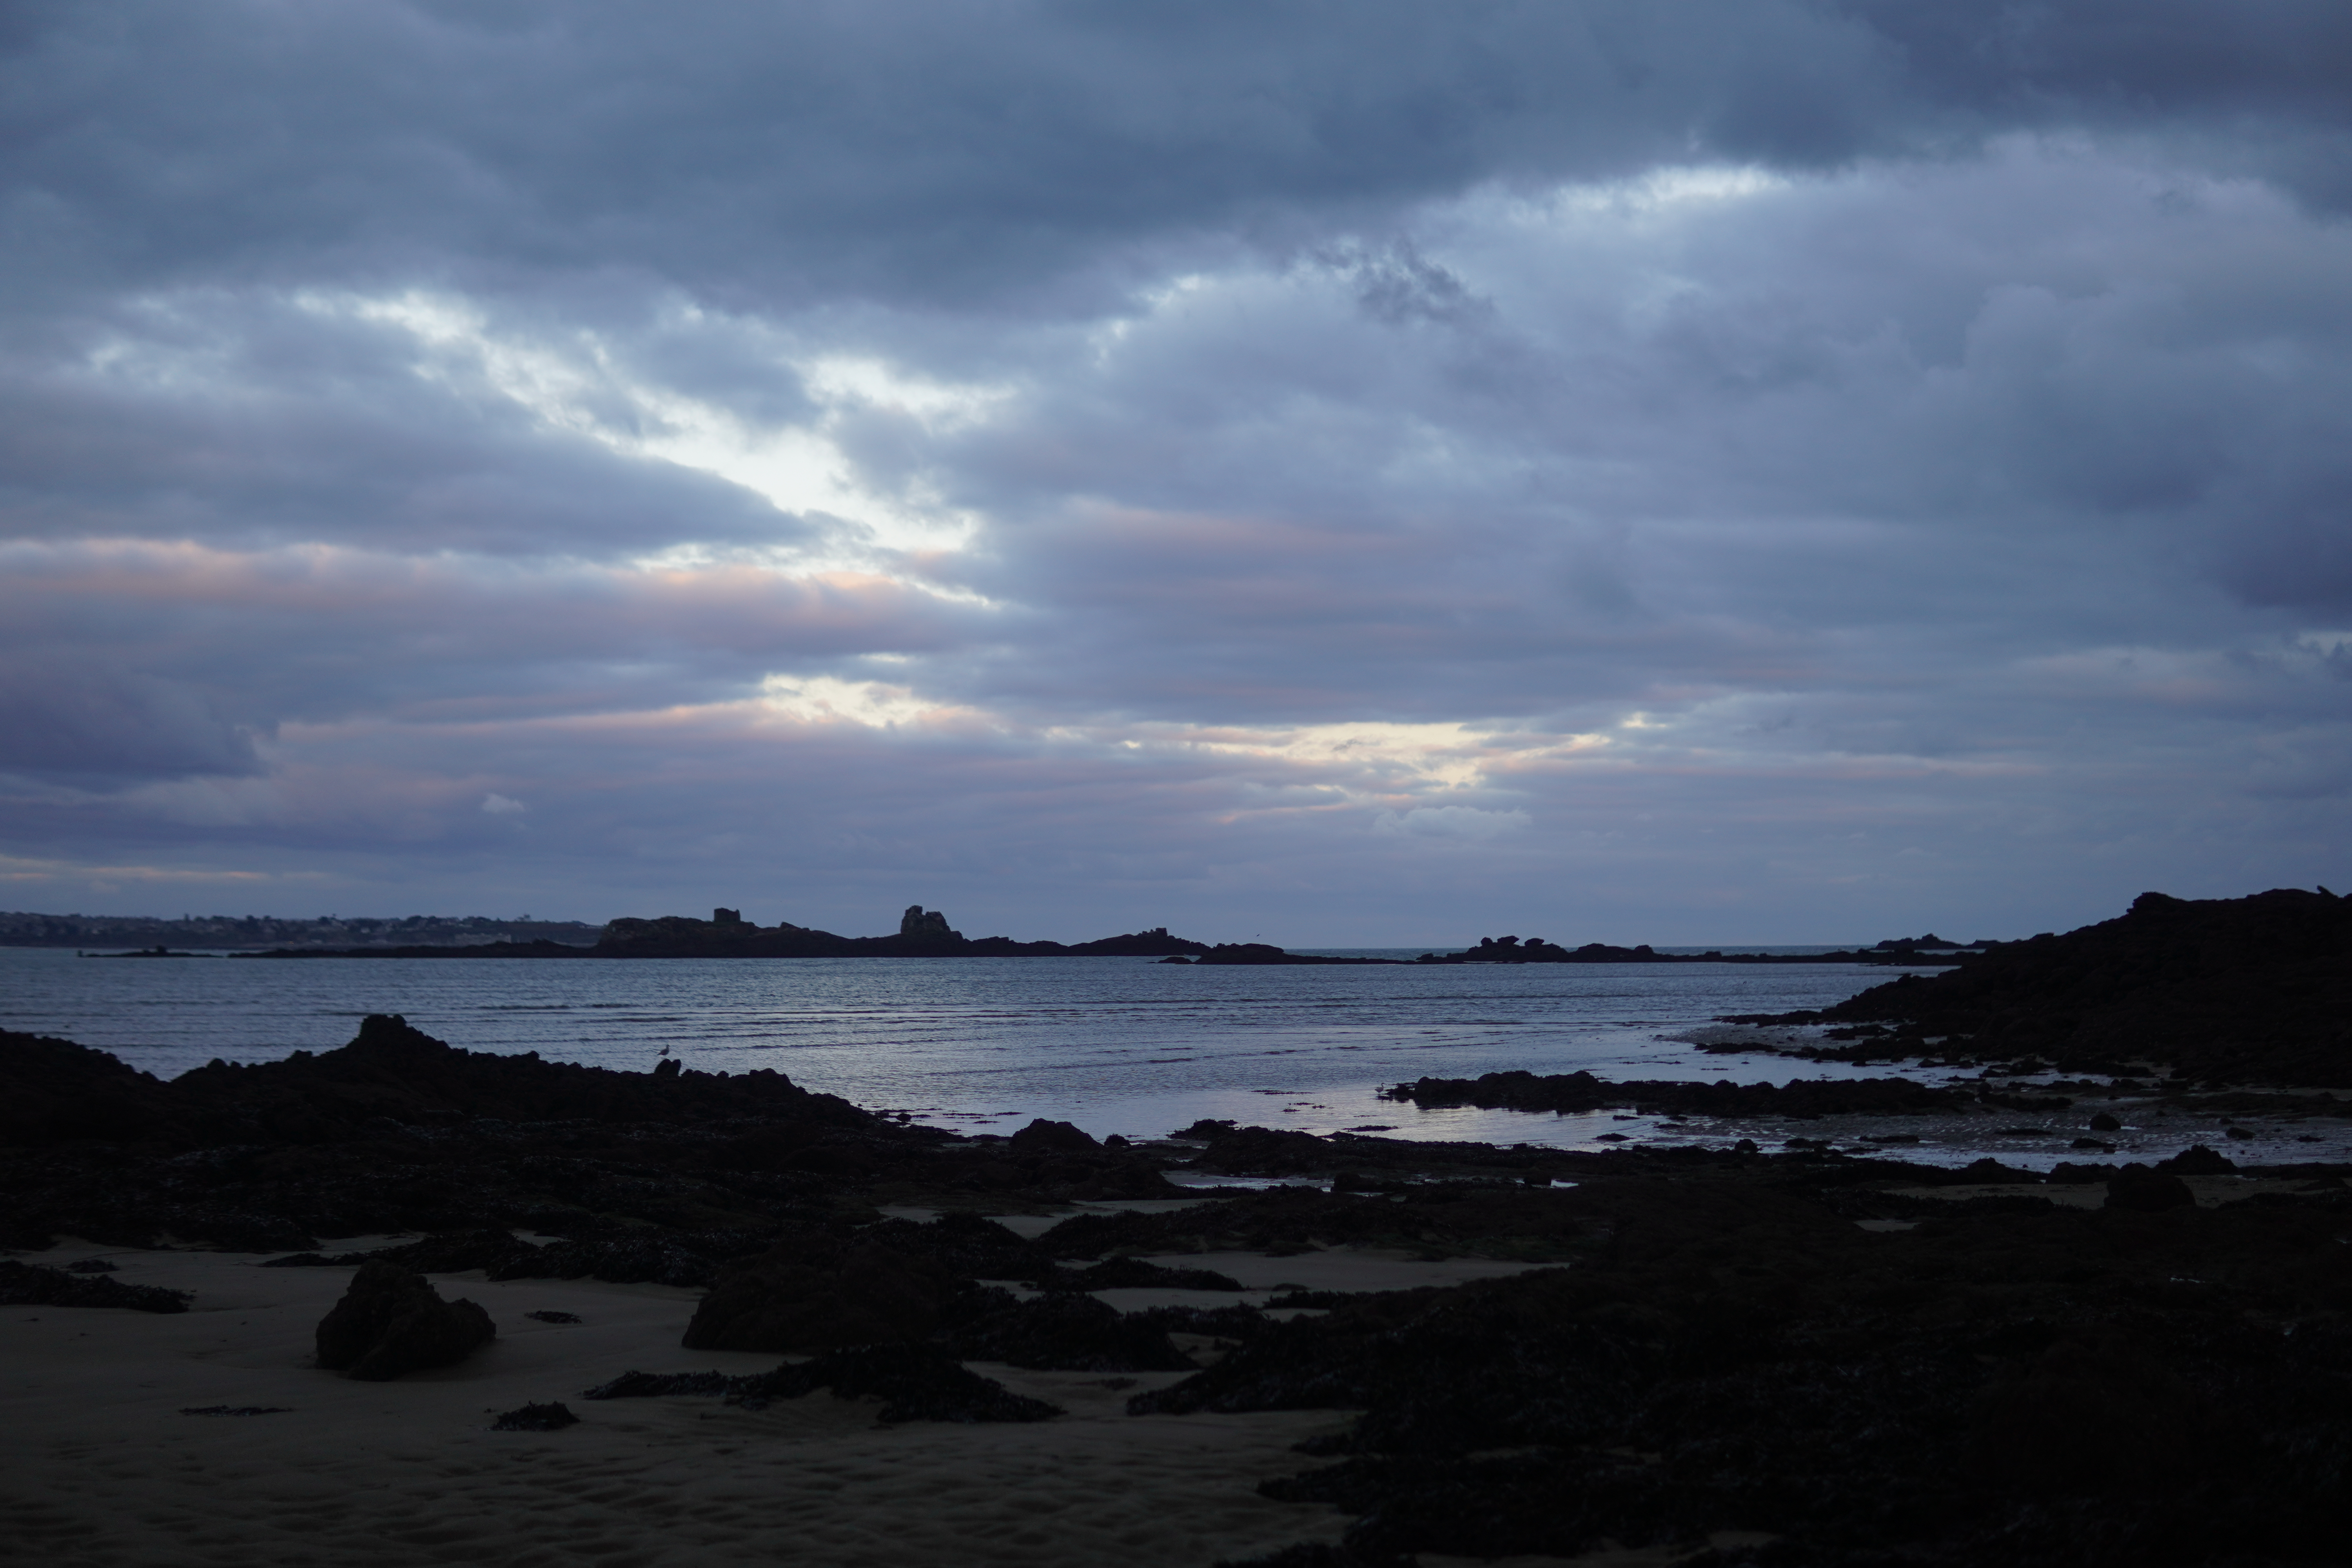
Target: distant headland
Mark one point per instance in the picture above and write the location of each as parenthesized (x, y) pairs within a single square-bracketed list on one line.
[(925, 933)]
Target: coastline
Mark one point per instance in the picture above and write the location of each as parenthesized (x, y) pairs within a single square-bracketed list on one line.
[(1237, 1344), (1405, 1358)]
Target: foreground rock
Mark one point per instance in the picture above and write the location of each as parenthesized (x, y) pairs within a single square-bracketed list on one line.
[(392, 1321)]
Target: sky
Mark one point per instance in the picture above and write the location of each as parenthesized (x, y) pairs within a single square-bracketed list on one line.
[(1381, 473)]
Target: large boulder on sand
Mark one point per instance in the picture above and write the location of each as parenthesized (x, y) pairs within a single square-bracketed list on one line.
[(391, 1322), (780, 1302)]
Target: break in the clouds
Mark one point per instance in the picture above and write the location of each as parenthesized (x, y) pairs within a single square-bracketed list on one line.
[(1382, 472)]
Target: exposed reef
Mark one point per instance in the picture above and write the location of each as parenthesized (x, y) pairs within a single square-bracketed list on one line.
[(1536, 950), (1266, 953), (1581, 1091)]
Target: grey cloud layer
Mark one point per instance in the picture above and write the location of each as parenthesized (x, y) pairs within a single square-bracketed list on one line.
[(907, 146), (1779, 464)]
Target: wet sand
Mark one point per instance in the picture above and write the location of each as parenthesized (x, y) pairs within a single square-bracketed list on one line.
[(103, 1469)]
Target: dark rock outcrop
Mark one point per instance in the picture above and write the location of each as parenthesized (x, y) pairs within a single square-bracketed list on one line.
[(1044, 1137), (393, 1070), (2197, 1159), (661, 1176), (784, 1301), (392, 1321), (33, 1285), (916, 1382), (2242, 990), (553, 1417), (1138, 944), (922, 925), (1729, 1362), (54, 1089), (1266, 954)]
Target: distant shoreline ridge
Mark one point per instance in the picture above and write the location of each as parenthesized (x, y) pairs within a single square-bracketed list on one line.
[(925, 933)]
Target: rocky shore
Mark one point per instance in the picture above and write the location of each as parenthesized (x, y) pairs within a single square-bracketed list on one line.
[(1716, 1355)]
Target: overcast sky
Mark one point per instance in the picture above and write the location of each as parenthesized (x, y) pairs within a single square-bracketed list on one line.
[(1358, 473)]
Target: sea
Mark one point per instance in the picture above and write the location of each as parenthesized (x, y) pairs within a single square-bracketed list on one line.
[(1113, 1044)]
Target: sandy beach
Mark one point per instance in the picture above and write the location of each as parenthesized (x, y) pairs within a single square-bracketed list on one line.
[(104, 1470)]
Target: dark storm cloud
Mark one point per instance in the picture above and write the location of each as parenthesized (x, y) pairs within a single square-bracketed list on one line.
[(925, 149), (1222, 463), (2022, 404)]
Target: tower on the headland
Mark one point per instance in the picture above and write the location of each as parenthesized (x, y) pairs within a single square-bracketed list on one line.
[(925, 925), (727, 917)]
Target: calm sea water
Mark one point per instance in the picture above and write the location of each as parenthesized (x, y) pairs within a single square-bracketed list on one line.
[(1116, 1044)]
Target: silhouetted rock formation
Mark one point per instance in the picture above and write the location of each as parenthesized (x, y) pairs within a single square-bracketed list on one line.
[(922, 925), (1138, 944), (660, 1175), (391, 1070), (391, 1322), (52, 1089), (2241, 990), (1044, 1137)]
